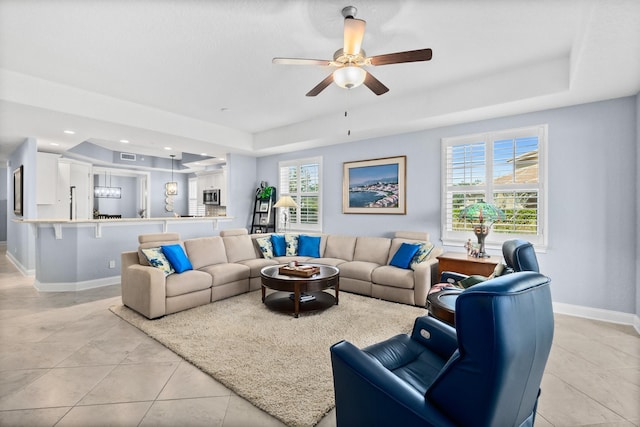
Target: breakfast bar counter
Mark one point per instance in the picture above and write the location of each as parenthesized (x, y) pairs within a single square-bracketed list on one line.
[(98, 224), (72, 255)]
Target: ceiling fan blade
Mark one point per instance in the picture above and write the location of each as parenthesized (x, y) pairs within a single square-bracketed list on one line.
[(353, 35), (321, 86), (399, 57), (375, 85), (300, 61)]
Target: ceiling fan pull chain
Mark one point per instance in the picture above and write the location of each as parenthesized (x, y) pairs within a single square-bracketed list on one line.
[(346, 113)]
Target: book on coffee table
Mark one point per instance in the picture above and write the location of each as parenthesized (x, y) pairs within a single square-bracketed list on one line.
[(303, 297)]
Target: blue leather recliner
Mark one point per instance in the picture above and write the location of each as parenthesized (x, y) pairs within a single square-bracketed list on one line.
[(486, 372)]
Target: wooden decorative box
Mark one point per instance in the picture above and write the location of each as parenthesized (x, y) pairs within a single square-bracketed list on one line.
[(299, 271)]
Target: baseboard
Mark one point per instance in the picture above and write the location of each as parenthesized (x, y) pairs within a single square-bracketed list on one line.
[(75, 286), (598, 314), (13, 260)]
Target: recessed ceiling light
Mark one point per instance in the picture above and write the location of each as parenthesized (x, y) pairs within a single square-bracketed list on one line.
[(55, 144), (70, 132), (203, 154), (168, 148), (124, 141)]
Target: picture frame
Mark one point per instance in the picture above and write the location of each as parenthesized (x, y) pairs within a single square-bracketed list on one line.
[(264, 207), (18, 185), (376, 186)]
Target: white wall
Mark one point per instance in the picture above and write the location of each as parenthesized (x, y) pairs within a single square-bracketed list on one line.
[(591, 256), (637, 325)]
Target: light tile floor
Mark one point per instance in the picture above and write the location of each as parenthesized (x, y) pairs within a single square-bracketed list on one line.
[(65, 360)]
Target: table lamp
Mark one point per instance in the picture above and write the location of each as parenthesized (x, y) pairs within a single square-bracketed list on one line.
[(285, 202), (482, 216)]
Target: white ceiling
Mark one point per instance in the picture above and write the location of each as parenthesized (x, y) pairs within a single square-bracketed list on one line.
[(197, 76)]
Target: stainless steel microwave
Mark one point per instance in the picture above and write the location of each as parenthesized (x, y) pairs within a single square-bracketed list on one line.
[(211, 197)]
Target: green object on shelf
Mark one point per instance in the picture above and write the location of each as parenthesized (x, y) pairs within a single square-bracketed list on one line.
[(265, 193)]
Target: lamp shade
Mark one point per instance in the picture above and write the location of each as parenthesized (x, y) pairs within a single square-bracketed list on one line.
[(349, 76), (482, 212), (285, 202)]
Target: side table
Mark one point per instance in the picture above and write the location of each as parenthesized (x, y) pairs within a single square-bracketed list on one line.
[(462, 263)]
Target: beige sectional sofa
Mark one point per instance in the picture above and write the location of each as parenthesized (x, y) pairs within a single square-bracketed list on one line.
[(230, 264)]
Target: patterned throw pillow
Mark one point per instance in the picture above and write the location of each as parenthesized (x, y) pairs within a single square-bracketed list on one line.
[(422, 254), (292, 244), (266, 247), (157, 259)]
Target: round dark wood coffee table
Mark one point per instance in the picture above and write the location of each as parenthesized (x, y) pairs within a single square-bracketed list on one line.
[(310, 289)]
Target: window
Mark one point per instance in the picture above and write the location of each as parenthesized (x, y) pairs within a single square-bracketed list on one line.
[(195, 209), (301, 180), (505, 168)]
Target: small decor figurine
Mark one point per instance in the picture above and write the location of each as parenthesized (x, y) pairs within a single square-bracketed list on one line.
[(468, 246)]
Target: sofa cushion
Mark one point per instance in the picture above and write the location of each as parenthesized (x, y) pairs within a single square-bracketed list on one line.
[(422, 254), (204, 251), (360, 270), (154, 240), (265, 246), (309, 246), (156, 258), (176, 256), (279, 245), (238, 247), (388, 275), (403, 256), (234, 232), (341, 247), (257, 264), (227, 273), (372, 249), (327, 261), (187, 282)]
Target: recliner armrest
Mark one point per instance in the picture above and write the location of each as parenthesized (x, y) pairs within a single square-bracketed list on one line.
[(435, 335), (367, 393)]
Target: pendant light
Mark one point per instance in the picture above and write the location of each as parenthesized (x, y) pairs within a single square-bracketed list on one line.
[(171, 188), (107, 192)]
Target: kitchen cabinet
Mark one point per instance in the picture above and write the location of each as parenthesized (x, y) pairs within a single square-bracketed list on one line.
[(46, 178), (216, 179)]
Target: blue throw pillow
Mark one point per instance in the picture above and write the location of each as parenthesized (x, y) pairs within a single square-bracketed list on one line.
[(309, 246), (176, 256), (279, 245), (403, 256)]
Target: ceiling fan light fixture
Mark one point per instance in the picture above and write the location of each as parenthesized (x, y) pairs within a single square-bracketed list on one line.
[(349, 76)]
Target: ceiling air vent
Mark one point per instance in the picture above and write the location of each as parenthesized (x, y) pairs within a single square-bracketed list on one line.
[(128, 156)]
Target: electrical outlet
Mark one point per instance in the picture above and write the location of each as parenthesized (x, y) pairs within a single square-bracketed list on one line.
[(112, 264)]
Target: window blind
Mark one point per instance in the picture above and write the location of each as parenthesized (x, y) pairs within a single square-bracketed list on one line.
[(505, 168)]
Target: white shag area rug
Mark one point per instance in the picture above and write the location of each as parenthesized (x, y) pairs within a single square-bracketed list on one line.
[(278, 363)]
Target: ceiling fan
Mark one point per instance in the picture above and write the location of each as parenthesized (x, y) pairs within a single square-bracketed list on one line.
[(351, 59)]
